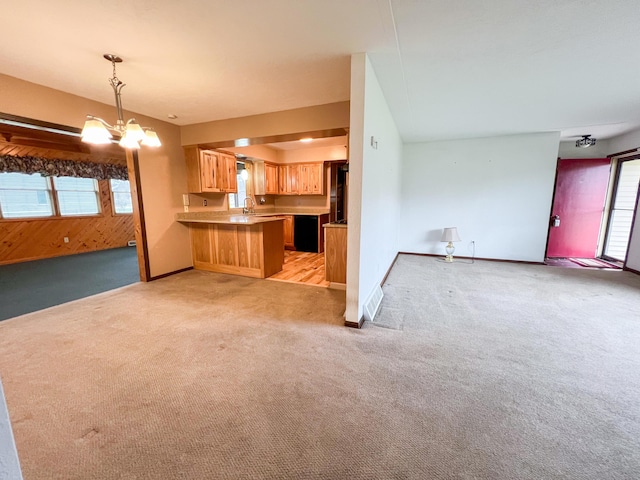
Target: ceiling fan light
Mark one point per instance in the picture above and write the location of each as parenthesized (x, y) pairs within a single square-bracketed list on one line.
[(128, 141), (151, 138), (95, 132)]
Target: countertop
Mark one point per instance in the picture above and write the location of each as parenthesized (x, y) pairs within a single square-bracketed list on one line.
[(335, 225), (216, 216), (207, 217)]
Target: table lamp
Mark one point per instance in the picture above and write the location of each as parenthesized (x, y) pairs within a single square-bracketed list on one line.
[(450, 235)]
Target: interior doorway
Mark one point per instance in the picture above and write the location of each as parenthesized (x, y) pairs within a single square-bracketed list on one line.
[(622, 210)]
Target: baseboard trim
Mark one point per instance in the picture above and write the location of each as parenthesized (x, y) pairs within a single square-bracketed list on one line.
[(632, 270), (384, 280), (474, 258), (354, 324), (168, 274)]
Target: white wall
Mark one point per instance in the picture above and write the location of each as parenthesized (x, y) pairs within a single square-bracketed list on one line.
[(496, 191), (374, 187)]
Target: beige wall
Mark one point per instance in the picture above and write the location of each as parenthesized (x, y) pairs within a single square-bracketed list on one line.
[(308, 119), (317, 154), (162, 170)]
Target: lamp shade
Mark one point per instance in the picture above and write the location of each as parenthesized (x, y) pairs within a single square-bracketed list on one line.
[(450, 234), (151, 138), (95, 132), (134, 131), (127, 141)]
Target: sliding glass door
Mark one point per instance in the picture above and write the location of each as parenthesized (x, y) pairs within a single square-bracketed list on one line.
[(622, 210)]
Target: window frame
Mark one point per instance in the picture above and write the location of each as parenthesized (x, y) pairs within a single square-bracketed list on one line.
[(55, 191), (55, 205), (113, 201), (52, 200)]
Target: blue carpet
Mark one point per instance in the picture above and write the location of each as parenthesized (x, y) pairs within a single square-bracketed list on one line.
[(31, 286)]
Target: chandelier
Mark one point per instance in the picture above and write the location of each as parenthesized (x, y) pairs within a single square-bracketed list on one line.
[(132, 135), (585, 142)]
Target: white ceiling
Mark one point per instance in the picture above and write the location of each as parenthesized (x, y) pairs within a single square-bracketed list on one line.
[(448, 69)]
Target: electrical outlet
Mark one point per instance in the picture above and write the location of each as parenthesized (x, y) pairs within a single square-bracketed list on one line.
[(204, 202), (66, 239)]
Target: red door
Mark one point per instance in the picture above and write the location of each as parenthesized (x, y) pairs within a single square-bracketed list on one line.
[(578, 202)]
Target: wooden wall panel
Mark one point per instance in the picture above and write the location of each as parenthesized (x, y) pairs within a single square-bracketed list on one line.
[(22, 240)]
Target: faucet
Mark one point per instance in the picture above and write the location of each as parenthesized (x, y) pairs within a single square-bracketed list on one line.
[(252, 206)]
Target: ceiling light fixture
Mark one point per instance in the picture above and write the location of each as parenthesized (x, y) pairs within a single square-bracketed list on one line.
[(585, 142), (132, 135), (306, 140)]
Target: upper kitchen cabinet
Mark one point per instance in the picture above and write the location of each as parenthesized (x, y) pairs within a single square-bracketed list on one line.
[(210, 171), (310, 178), (288, 179), (271, 178), (301, 179), (265, 178)]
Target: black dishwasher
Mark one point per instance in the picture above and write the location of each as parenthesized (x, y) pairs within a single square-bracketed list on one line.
[(305, 233)]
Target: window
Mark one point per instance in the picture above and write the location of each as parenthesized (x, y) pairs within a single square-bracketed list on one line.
[(25, 196), (76, 196), (236, 200), (622, 210), (121, 194)]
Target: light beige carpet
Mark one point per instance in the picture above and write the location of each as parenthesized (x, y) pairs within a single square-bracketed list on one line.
[(483, 371)]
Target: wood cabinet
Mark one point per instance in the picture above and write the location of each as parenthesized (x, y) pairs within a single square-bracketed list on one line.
[(271, 179), (310, 179), (250, 250), (288, 232), (210, 171), (335, 254), (301, 179), (288, 179)]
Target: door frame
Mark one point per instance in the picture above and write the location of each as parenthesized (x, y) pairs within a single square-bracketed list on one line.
[(615, 164)]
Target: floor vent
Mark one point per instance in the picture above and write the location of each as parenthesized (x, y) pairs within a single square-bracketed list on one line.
[(372, 304), (131, 243)]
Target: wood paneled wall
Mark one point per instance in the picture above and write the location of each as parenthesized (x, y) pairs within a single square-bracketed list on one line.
[(22, 240)]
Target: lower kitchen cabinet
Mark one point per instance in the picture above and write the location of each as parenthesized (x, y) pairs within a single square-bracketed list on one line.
[(335, 253), (249, 250), (288, 233)]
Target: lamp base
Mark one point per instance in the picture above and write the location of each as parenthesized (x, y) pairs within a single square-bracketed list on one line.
[(449, 249)]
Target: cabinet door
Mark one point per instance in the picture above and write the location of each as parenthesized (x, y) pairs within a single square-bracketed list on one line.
[(303, 179), (271, 178), (209, 172), (282, 180), (288, 179), (316, 175), (229, 178), (294, 179), (288, 231)]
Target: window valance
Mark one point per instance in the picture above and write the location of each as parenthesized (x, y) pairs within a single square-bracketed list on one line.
[(62, 168)]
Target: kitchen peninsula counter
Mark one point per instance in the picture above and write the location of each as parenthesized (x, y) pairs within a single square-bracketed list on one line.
[(247, 245)]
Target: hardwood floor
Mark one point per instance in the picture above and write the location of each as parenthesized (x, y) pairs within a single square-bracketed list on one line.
[(302, 267)]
